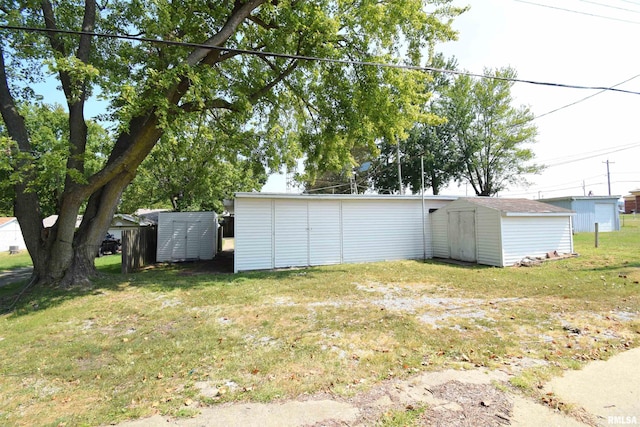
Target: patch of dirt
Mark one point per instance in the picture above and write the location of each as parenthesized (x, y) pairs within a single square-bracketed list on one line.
[(469, 405), (222, 263)]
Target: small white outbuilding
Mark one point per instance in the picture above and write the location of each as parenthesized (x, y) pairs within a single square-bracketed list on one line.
[(11, 235), (298, 230), (186, 236), (500, 232), (590, 210)]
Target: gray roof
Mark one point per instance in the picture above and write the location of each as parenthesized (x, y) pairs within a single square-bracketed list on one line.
[(515, 205)]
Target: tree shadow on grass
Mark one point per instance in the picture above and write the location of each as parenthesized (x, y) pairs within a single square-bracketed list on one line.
[(16, 300)]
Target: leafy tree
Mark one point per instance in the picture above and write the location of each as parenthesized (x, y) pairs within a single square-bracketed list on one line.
[(490, 134), (48, 130), (429, 144), (195, 167), (321, 109)]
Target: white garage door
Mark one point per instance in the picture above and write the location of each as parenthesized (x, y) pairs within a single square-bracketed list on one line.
[(291, 234), (324, 233), (604, 216)]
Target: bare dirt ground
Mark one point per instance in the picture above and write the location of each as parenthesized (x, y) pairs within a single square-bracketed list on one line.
[(452, 398)]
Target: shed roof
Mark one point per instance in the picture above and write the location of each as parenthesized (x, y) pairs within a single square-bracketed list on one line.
[(305, 196), (6, 219), (571, 198), (516, 206)]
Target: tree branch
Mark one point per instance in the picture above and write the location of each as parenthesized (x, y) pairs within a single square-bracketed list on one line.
[(238, 15)]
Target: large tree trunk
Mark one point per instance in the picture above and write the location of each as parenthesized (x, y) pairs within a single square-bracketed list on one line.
[(62, 255)]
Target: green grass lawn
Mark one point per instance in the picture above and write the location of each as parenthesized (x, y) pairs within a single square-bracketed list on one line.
[(169, 339)]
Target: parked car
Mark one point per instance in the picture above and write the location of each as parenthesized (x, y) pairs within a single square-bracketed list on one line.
[(110, 245)]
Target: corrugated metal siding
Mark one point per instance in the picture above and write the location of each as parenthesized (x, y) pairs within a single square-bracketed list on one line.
[(534, 236), (325, 233), (186, 235), (253, 234), (440, 233), (585, 218), (381, 231), (291, 234), (489, 244)]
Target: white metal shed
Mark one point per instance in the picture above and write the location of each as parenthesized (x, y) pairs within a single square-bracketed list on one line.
[(589, 211), (186, 236), (500, 232), (10, 234), (297, 230)]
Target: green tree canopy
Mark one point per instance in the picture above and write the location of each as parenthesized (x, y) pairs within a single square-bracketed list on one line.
[(481, 138), (491, 135), (194, 167), (48, 128), (196, 57)]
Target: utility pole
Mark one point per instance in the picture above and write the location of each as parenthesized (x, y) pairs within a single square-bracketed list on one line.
[(584, 190), (608, 175), (399, 168)]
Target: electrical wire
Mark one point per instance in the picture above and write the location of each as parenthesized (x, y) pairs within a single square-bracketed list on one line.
[(590, 154), (609, 6), (578, 12), (313, 58), (583, 99)]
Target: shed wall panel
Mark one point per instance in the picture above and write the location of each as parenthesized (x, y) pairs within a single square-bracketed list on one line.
[(253, 234), (381, 231), (11, 235), (488, 235), (299, 231), (291, 234), (186, 235), (585, 208), (534, 237), (325, 233), (604, 216), (440, 234)]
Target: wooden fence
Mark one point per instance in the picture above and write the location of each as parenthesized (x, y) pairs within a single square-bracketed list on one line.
[(138, 248)]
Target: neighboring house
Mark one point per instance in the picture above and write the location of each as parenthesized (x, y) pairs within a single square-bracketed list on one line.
[(296, 230), (185, 236), (589, 211), (10, 234), (500, 232), (119, 223), (632, 202)]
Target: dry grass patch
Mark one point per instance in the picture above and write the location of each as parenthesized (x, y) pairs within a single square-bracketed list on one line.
[(167, 342)]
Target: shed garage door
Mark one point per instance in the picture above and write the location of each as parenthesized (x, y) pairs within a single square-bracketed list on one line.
[(306, 233), (604, 216), (462, 235)]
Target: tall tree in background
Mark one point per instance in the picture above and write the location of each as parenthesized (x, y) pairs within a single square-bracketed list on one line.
[(490, 135), (428, 143), (49, 132), (321, 109)]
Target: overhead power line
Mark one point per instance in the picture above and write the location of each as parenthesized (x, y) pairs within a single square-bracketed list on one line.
[(591, 156), (610, 6), (578, 12), (584, 99), (312, 58)]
